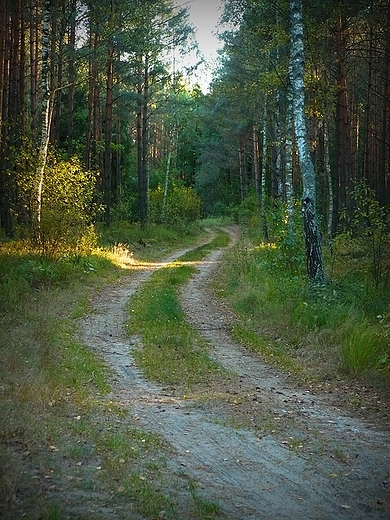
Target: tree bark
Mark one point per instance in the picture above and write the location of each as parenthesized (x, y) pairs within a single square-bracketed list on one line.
[(142, 138), (264, 162), (289, 181), (314, 260), (107, 163), (172, 140), (45, 123), (71, 75), (343, 170), (256, 159), (241, 171)]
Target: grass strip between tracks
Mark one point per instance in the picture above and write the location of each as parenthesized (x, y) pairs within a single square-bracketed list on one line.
[(172, 351)]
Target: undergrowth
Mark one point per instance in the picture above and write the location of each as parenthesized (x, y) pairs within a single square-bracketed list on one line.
[(341, 328)]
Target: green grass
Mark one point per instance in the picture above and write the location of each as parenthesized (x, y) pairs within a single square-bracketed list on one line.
[(321, 332), (361, 351), (271, 350), (60, 430), (172, 352)]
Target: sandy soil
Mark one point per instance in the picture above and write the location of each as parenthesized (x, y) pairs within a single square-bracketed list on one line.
[(298, 456)]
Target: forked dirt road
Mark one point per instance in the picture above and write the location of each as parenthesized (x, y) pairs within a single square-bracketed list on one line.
[(312, 461)]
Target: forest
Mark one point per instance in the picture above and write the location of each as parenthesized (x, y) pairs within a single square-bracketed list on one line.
[(104, 129), (102, 126), (94, 110), (257, 211)]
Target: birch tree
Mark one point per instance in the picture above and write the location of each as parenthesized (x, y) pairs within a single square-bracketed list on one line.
[(314, 262), (46, 119)]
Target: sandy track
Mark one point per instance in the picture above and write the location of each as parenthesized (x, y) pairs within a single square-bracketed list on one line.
[(251, 475)]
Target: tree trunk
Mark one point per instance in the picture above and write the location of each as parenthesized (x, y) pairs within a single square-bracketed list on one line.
[(142, 139), (145, 143), (264, 162), (34, 59), (71, 75), (107, 163), (384, 184), (289, 181), (278, 149), (314, 260), (343, 173), (328, 176), (241, 171), (256, 159), (171, 147), (45, 123), (91, 83), (6, 21), (92, 155), (117, 178)]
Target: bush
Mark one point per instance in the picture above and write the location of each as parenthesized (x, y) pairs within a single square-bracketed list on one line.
[(183, 206), (370, 230), (68, 208)]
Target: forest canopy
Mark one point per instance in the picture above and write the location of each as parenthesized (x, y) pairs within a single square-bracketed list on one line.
[(93, 87)]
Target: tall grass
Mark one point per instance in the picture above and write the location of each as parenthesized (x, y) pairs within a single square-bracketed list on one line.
[(340, 327)]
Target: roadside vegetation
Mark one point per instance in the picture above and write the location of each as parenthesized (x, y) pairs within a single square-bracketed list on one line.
[(320, 333), (60, 431)]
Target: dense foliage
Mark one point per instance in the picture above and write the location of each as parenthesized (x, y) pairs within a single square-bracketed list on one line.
[(95, 84), (251, 145)]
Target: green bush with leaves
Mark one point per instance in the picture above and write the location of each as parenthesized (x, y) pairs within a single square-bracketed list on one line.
[(69, 203), (183, 206), (68, 208)]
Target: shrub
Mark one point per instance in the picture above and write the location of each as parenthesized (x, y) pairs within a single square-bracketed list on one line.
[(183, 206), (68, 208)]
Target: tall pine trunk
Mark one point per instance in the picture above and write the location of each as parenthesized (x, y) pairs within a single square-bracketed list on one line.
[(343, 143), (264, 166), (71, 75), (314, 260), (256, 159), (172, 144), (107, 163)]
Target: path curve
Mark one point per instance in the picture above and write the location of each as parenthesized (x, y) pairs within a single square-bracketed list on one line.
[(251, 476)]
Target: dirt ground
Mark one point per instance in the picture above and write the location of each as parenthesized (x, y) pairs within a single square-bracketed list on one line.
[(259, 447)]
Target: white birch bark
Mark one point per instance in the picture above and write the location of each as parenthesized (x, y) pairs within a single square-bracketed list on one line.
[(314, 261), (46, 118)]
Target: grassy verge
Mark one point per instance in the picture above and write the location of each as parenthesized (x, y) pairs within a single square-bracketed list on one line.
[(339, 330), (67, 450), (172, 352)]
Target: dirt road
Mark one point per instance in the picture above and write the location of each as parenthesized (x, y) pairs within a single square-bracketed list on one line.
[(297, 456)]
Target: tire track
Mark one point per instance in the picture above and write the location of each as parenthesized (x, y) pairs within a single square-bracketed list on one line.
[(250, 477)]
